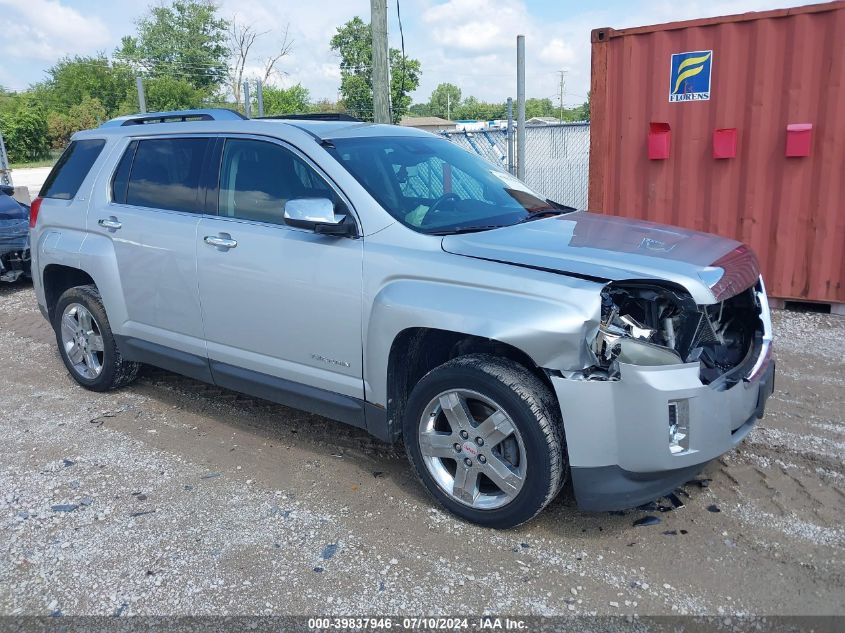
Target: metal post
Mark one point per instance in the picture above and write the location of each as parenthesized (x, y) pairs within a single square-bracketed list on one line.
[(520, 107), (510, 135), (142, 100), (381, 73), (259, 95), (247, 102), (5, 172), (562, 74)]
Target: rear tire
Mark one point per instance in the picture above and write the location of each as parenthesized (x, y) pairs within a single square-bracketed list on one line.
[(484, 436), (86, 343)]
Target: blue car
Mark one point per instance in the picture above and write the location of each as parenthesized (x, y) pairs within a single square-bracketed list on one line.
[(14, 237)]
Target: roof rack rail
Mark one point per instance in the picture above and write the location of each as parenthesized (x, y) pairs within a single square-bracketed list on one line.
[(316, 116), (176, 116)]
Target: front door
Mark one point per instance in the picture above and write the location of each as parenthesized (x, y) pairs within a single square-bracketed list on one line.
[(281, 306)]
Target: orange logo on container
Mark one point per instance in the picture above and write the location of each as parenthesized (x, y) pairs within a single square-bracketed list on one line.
[(689, 76)]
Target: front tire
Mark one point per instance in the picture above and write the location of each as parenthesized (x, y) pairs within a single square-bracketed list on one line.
[(484, 436), (86, 343)]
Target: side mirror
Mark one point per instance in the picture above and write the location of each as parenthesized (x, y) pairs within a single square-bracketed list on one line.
[(318, 215)]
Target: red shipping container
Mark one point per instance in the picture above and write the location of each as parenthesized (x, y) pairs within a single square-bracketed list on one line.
[(757, 72)]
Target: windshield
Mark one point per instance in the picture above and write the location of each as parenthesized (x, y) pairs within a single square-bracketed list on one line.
[(434, 186)]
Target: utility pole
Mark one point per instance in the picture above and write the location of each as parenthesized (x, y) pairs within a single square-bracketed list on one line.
[(510, 135), (562, 74), (381, 73), (520, 107), (142, 100), (448, 106), (247, 102), (259, 95)]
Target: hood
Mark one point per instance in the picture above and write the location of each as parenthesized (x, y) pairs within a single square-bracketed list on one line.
[(610, 248)]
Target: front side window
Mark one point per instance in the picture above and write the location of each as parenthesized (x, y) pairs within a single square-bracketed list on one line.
[(257, 178), (70, 170), (166, 174), (433, 186)]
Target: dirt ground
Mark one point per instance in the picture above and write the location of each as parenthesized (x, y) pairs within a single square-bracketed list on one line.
[(174, 497)]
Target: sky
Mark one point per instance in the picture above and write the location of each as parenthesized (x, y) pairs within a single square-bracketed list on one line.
[(471, 43)]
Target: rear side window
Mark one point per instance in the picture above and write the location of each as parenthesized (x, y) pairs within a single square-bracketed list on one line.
[(120, 181), (166, 173), (70, 170)]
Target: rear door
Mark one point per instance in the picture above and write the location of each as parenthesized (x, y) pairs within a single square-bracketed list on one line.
[(157, 197), (278, 301)]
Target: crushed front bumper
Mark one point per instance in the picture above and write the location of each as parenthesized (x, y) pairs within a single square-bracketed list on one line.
[(617, 432)]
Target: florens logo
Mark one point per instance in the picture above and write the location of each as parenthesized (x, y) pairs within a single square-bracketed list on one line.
[(689, 77)]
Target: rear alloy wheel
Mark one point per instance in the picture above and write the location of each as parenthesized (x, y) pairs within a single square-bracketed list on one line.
[(86, 343), (485, 437), (82, 341)]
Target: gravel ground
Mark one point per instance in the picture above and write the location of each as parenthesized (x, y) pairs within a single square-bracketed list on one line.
[(175, 497)]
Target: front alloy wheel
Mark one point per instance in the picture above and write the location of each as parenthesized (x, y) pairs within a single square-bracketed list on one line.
[(484, 436), (472, 449)]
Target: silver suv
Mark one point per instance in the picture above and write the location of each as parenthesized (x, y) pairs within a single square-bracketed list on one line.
[(386, 278)]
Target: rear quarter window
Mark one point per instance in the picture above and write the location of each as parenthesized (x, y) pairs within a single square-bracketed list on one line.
[(71, 169)]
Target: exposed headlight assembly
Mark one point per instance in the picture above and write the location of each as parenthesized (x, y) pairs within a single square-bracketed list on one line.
[(624, 339), (622, 335)]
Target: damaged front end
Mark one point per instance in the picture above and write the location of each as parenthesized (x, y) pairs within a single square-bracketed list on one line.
[(650, 324), (14, 239)]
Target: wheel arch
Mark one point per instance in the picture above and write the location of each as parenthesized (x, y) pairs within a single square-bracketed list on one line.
[(57, 278), (417, 350)]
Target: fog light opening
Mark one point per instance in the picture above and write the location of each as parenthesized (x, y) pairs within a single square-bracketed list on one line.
[(678, 415)]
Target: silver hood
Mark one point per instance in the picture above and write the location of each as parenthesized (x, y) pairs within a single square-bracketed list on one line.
[(610, 248)]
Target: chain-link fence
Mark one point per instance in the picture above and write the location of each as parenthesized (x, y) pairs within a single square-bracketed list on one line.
[(557, 157)]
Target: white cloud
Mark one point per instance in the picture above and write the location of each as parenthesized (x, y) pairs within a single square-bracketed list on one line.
[(476, 26), (48, 29)]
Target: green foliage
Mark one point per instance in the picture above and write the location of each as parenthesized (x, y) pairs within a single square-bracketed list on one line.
[(74, 79), (353, 42), (184, 40), (24, 131), (472, 108), (285, 100), (169, 93), (83, 116), (445, 100), (420, 109)]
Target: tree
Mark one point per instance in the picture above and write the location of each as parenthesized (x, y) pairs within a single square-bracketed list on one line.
[(354, 43), (472, 108), (286, 100), (171, 93), (582, 112), (185, 40), (540, 107), (242, 37), (444, 100), (420, 109), (72, 80), (404, 79), (85, 115), (24, 131)]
